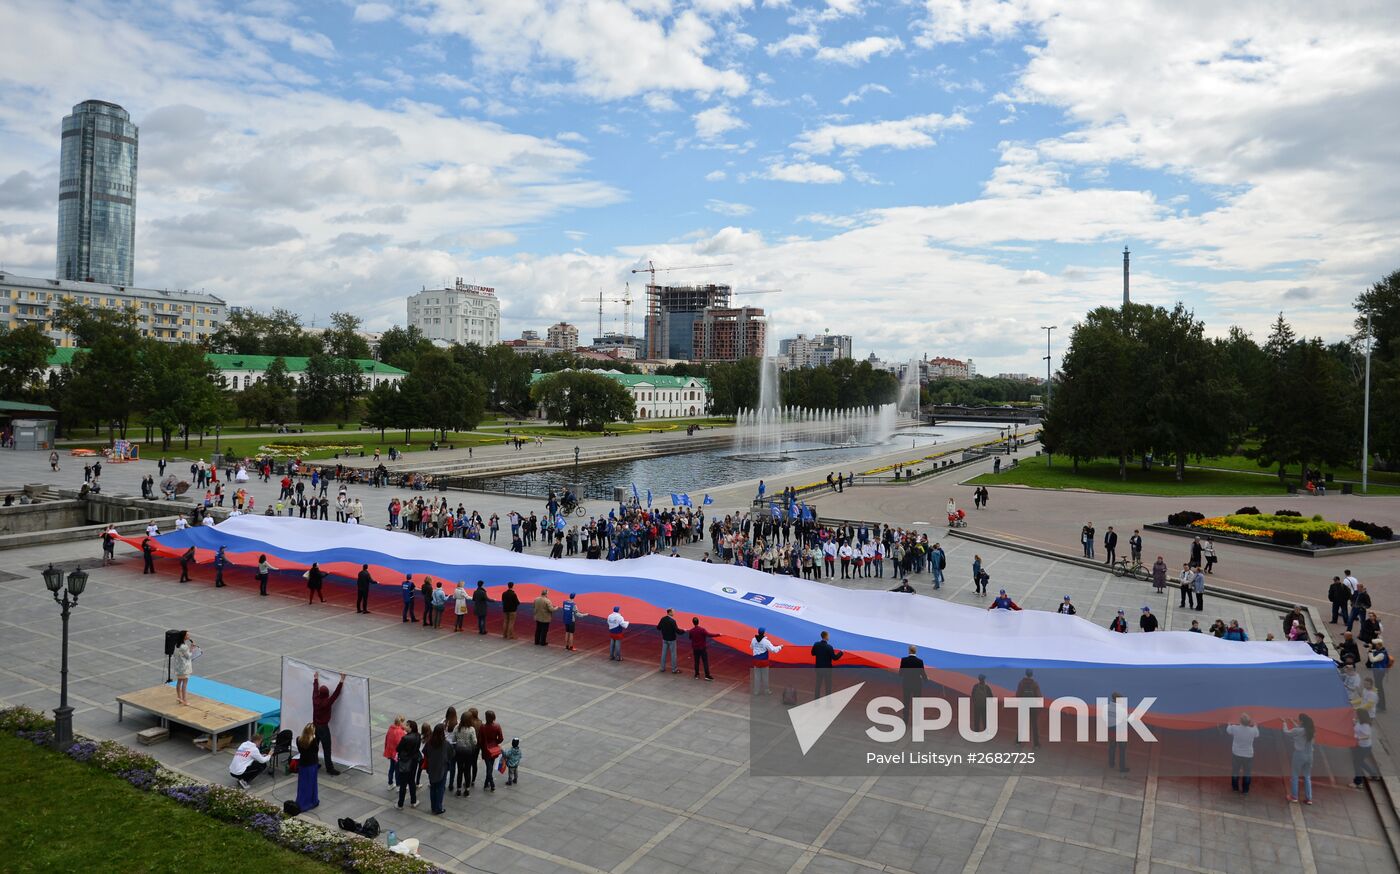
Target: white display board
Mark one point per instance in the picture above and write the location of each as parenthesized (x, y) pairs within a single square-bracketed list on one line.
[(350, 731)]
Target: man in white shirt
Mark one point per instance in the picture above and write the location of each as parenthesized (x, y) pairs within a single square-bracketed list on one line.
[(829, 557), (208, 522), (616, 626), (845, 553), (248, 762), (181, 523), (151, 529), (1242, 737)]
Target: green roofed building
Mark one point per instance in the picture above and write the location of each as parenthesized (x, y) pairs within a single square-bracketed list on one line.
[(659, 397), (241, 371)]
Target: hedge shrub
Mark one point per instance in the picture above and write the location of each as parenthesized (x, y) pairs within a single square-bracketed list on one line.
[(1184, 518), (1247, 511), (1376, 532), (1287, 513), (1322, 538), (1288, 537)]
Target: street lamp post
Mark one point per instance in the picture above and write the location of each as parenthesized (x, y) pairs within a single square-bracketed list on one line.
[(578, 492), (1047, 330), (218, 429), (77, 582), (1366, 411)]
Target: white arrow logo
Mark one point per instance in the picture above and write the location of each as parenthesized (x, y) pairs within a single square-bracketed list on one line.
[(811, 720)]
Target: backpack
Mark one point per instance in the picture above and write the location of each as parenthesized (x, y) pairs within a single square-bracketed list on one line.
[(290, 808), (348, 824), (370, 829)]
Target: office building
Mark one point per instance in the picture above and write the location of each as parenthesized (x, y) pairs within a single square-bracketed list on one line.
[(672, 311), (562, 336), (459, 314), (170, 316), (617, 345), (803, 351), (729, 334), (97, 195)]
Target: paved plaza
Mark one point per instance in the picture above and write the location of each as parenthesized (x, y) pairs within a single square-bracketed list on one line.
[(626, 769)]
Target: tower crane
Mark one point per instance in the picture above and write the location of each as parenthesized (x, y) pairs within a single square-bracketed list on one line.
[(653, 269), (625, 300), (653, 313)]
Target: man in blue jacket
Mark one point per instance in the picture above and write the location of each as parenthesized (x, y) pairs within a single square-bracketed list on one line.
[(409, 591), (824, 654)]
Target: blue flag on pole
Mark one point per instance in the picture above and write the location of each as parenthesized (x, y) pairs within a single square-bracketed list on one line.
[(648, 497), (707, 500), (685, 501), (635, 496), (773, 508), (675, 499)]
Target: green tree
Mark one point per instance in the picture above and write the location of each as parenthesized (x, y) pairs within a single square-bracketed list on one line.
[(1382, 302), (24, 356), (248, 332), (400, 347), (1097, 409), (342, 339), (577, 398), (347, 384), (108, 379), (453, 399), (317, 395), (504, 375), (382, 407), (1310, 405)]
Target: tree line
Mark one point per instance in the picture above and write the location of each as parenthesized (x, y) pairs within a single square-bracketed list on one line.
[(1139, 380)]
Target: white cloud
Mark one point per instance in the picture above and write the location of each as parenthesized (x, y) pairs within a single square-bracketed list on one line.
[(715, 122), (715, 176), (859, 51), (915, 132), (570, 136), (658, 102), (450, 82), (958, 20), (794, 44), (612, 48), (729, 208), (720, 7), (804, 171), (858, 95), (369, 13)]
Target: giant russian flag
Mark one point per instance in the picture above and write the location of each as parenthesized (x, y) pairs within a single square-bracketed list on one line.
[(1198, 680)]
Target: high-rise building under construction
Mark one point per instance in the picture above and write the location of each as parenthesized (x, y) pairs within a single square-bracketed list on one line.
[(672, 311)]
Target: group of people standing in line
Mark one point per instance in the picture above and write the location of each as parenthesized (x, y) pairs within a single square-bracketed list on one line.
[(452, 753)]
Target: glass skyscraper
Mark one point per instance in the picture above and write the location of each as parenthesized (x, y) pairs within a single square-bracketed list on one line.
[(97, 195)]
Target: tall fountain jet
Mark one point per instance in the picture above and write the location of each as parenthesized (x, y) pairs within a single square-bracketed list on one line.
[(909, 388), (761, 433)]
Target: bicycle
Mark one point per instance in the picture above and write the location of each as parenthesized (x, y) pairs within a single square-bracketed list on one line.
[(1125, 567)]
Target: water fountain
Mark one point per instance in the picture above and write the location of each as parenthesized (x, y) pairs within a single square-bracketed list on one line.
[(909, 389), (769, 431)]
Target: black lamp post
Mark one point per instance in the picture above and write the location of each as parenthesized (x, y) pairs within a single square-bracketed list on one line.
[(77, 582), (578, 492), (218, 429)]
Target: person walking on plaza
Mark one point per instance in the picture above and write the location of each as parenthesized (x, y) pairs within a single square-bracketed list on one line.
[(1159, 576), (437, 753), (322, 704), (1339, 596), (1208, 552), (408, 590), (510, 603), (220, 560), (314, 578), (1184, 585), (186, 559), (1110, 545), (1360, 604), (460, 597), (824, 655), (1379, 661), (362, 583), (1300, 765), (616, 626), (409, 754), (978, 586), (544, 613), (148, 554), (670, 631), (512, 758), (1242, 737), (760, 647), (700, 646), (570, 613), (1147, 622), (183, 665), (396, 731), (480, 600), (938, 559), (308, 767), (1135, 546), (1198, 586), (264, 569), (490, 736), (1119, 623)]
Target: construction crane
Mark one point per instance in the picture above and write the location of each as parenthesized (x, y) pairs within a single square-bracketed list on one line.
[(764, 291), (653, 269), (625, 300)]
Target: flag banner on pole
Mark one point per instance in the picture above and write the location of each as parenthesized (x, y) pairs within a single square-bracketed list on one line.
[(708, 500)]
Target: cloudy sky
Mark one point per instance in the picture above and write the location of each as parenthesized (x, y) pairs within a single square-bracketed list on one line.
[(931, 176)]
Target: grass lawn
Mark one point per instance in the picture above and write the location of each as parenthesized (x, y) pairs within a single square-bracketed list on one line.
[(1102, 476), (1249, 465), (61, 815), (641, 426)]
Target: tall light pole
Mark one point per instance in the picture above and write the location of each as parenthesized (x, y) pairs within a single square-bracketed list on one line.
[(77, 582), (1047, 329), (1366, 411)]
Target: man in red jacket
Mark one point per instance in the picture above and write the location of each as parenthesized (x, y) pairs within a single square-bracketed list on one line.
[(322, 702)]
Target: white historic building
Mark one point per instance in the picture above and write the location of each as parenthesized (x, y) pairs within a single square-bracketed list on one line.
[(460, 314)]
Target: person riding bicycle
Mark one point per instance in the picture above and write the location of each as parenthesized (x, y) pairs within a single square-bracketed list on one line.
[(568, 502)]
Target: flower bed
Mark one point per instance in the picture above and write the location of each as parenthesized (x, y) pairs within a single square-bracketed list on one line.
[(224, 803), (1285, 527), (292, 450)]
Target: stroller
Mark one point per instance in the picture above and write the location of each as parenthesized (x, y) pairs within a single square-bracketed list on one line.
[(957, 519)]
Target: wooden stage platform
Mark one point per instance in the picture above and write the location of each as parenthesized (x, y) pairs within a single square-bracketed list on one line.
[(202, 714)]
